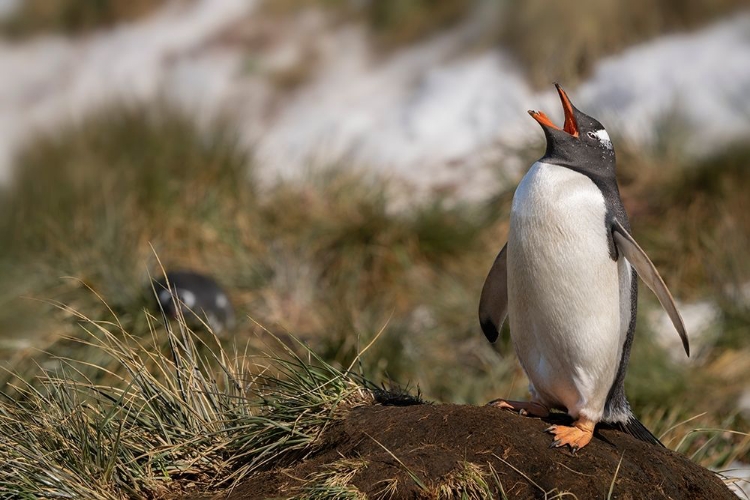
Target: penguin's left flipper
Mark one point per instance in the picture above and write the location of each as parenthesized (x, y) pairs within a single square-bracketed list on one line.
[(493, 304), (648, 273)]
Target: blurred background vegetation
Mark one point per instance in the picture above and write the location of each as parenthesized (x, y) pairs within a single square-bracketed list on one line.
[(336, 256), (69, 17)]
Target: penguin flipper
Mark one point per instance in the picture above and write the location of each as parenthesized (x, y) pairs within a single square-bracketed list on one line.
[(493, 304), (648, 273)]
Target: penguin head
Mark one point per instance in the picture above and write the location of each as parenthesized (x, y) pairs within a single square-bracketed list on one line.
[(196, 297), (582, 143)]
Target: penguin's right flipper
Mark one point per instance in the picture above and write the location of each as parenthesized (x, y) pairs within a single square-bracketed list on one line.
[(648, 273), (493, 304)]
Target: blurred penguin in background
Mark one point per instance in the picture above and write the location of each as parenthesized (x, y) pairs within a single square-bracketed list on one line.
[(197, 297)]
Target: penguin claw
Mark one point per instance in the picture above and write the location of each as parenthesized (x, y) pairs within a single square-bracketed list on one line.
[(576, 436), (523, 408), (501, 403)]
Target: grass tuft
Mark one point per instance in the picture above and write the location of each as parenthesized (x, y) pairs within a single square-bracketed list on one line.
[(387, 490), (333, 483), (173, 418), (467, 482)]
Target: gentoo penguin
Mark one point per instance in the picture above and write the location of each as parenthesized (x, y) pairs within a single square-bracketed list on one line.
[(566, 280), (197, 297)]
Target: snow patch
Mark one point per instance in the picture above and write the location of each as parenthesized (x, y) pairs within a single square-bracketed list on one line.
[(704, 75), (700, 320), (431, 118), (421, 114), (8, 7), (737, 476), (49, 79)]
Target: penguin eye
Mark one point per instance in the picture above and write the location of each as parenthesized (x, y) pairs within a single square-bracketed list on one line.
[(592, 135)]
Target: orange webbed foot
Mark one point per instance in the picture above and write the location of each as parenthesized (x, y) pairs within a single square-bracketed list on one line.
[(576, 436), (522, 407)]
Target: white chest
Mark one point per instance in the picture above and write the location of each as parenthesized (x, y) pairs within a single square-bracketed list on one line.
[(567, 299), (552, 195)]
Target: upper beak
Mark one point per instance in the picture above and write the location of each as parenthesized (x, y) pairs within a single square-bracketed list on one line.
[(570, 126)]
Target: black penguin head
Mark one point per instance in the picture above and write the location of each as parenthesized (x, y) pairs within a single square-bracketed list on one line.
[(582, 143), (195, 297)]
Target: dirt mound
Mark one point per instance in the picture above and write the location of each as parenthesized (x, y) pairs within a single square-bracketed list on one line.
[(454, 451)]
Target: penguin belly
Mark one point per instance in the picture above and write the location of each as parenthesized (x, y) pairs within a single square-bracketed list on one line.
[(568, 301)]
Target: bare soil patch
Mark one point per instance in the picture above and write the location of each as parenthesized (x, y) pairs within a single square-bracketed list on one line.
[(422, 447)]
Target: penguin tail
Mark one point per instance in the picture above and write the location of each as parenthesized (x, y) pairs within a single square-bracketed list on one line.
[(635, 428)]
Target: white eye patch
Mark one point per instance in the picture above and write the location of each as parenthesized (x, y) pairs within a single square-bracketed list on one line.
[(603, 137), (221, 301), (187, 297), (164, 296)]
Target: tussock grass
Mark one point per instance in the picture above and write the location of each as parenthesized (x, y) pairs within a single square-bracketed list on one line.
[(691, 217), (120, 169), (547, 495), (695, 209), (71, 17), (388, 489), (173, 418), (412, 475), (89, 200), (327, 259), (399, 22), (689, 214), (468, 482), (702, 437), (332, 483)]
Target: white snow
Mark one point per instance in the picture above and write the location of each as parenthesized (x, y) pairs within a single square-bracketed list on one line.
[(743, 404), (738, 478), (7, 7), (700, 318), (705, 75), (423, 114), (420, 113), (412, 115), (50, 79)]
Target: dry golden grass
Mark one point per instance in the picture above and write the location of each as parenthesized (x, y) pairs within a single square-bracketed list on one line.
[(73, 17), (393, 23)]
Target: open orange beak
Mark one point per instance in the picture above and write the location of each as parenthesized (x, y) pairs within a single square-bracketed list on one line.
[(570, 125)]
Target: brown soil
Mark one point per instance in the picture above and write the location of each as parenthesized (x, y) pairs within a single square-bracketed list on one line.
[(432, 442)]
